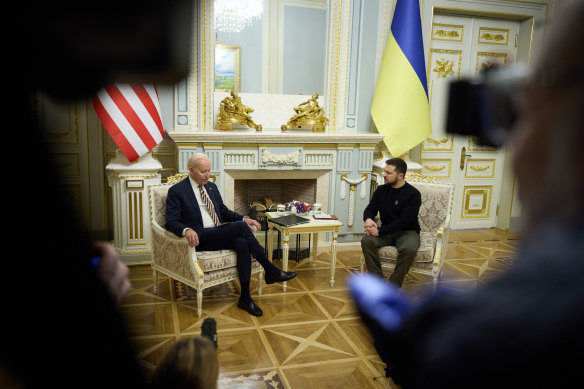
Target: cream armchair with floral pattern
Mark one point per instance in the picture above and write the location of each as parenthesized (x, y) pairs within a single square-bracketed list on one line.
[(174, 257), (434, 218)]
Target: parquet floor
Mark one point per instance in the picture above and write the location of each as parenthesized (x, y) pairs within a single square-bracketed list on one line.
[(310, 335)]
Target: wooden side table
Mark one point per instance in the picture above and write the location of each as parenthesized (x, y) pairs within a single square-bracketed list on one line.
[(314, 226)]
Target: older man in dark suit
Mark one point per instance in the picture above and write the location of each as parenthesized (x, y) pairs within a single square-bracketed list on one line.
[(195, 210)]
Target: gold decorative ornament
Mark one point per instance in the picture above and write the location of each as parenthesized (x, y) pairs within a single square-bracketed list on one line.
[(420, 177), (446, 34), (479, 168), (176, 178), (308, 113), (434, 168), (443, 68), (232, 111), (486, 66), (480, 205), (493, 37), (436, 142)]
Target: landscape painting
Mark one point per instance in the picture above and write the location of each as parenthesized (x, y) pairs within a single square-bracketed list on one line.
[(227, 67)]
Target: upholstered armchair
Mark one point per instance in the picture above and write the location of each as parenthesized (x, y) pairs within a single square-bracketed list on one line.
[(174, 257), (434, 218)]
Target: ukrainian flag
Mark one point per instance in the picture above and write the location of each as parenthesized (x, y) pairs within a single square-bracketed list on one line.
[(400, 107)]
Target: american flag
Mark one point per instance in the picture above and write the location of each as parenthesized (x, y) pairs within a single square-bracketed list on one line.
[(131, 115)]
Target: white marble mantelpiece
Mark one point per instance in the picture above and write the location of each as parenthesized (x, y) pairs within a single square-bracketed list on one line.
[(246, 148), (276, 136)]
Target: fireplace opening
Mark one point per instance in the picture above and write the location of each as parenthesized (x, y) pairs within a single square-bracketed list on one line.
[(256, 197), (272, 192)]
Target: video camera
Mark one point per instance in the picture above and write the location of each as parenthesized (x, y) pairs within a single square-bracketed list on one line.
[(486, 106)]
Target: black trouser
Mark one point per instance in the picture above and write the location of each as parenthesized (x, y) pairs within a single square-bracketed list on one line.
[(237, 236), (407, 244)]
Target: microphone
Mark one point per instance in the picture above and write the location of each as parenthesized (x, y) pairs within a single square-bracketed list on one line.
[(209, 330)]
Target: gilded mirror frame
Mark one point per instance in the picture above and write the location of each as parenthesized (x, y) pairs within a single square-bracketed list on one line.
[(201, 81)]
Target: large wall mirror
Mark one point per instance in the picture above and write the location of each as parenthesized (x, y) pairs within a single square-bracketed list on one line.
[(270, 46)]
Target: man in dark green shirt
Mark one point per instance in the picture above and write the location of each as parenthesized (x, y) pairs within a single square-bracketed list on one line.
[(397, 203)]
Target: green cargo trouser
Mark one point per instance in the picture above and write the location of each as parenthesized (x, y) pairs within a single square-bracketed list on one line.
[(407, 244)]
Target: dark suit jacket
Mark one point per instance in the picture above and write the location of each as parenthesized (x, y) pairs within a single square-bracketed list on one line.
[(182, 208)]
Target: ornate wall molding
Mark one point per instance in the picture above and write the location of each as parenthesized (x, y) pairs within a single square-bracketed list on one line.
[(269, 157)]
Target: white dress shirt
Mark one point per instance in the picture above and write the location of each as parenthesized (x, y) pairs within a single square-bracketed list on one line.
[(207, 221)]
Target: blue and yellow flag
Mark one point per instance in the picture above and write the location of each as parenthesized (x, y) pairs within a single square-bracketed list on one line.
[(400, 107)]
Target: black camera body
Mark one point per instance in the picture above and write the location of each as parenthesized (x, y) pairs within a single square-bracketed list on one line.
[(485, 107)]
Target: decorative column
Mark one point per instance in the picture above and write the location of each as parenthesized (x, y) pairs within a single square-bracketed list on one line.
[(130, 183), (353, 187)]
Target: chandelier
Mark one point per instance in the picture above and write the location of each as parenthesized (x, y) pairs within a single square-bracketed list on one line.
[(235, 15)]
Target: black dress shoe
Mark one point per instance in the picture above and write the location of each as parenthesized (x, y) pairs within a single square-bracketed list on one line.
[(250, 307), (280, 277)]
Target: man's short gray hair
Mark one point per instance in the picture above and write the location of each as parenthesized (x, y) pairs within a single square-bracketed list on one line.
[(195, 159)]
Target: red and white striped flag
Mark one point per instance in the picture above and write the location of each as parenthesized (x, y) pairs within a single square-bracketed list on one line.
[(131, 115)]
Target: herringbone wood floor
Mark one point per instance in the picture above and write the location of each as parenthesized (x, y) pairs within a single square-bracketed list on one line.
[(310, 335)]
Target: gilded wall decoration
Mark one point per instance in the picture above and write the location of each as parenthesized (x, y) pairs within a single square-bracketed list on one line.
[(494, 36), (486, 65), (480, 168), (68, 164), (443, 68), (476, 201), (60, 120), (438, 168), (485, 59), (452, 58), (447, 32), (441, 144)]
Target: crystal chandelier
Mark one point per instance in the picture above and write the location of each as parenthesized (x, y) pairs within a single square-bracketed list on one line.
[(235, 15)]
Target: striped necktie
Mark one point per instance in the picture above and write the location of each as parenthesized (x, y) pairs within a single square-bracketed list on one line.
[(209, 205)]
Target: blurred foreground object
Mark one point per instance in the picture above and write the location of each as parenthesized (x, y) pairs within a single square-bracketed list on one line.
[(486, 106)]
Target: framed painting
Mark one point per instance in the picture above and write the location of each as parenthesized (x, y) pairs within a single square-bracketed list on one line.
[(227, 67)]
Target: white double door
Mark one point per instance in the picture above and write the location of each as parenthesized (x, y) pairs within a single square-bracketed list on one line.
[(462, 47)]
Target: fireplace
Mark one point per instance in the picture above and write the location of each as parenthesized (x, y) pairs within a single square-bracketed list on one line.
[(256, 197), (243, 188), (269, 193), (247, 194)]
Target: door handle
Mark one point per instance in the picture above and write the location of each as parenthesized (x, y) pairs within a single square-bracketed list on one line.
[(463, 157)]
